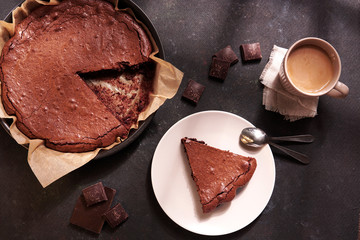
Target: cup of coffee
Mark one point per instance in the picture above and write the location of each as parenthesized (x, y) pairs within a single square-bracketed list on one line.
[(312, 67)]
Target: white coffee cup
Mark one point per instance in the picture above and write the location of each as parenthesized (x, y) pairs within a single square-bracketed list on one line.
[(312, 67)]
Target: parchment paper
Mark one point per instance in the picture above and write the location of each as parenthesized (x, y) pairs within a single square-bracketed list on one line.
[(49, 165)]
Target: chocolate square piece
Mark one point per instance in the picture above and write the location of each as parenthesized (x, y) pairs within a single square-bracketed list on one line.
[(94, 194), (91, 218), (250, 52), (193, 91), (227, 54), (116, 215), (219, 68)]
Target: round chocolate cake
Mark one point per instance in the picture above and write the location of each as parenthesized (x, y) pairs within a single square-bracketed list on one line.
[(42, 64)]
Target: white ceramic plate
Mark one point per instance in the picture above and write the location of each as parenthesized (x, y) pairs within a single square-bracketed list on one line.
[(176, 191)]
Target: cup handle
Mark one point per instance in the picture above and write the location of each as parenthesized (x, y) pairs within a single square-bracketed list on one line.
[(339, 91)]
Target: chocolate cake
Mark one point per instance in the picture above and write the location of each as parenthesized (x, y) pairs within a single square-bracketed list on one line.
[(41, 65), (217, 173)]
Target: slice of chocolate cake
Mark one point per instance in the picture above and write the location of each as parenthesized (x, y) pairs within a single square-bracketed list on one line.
[(217, 173)]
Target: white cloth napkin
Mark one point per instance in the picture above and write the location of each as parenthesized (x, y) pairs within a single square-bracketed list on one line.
[(277, 99)]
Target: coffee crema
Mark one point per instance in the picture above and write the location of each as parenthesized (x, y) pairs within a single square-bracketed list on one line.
[(310, 68)]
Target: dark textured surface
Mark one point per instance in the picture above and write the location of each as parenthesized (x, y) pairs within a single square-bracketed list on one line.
[(317, 201)]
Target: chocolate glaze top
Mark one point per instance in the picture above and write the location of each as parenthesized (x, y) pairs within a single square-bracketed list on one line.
[(40, 66)]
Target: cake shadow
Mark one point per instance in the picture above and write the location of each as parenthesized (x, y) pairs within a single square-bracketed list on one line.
[(218, 211), (221, 209)]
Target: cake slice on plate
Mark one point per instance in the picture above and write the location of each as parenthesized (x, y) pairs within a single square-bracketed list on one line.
[(217, 173)]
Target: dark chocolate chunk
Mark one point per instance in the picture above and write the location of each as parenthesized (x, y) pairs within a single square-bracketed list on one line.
[(219, 68), (250, 52), (227, 54), (116, 215), (94, 194), (91, 218), (193, 91)]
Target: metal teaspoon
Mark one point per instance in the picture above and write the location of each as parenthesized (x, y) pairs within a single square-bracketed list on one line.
[(255, 137)]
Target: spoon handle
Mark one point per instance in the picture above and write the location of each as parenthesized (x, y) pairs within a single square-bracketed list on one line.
[(306, 138), (298, 156)]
